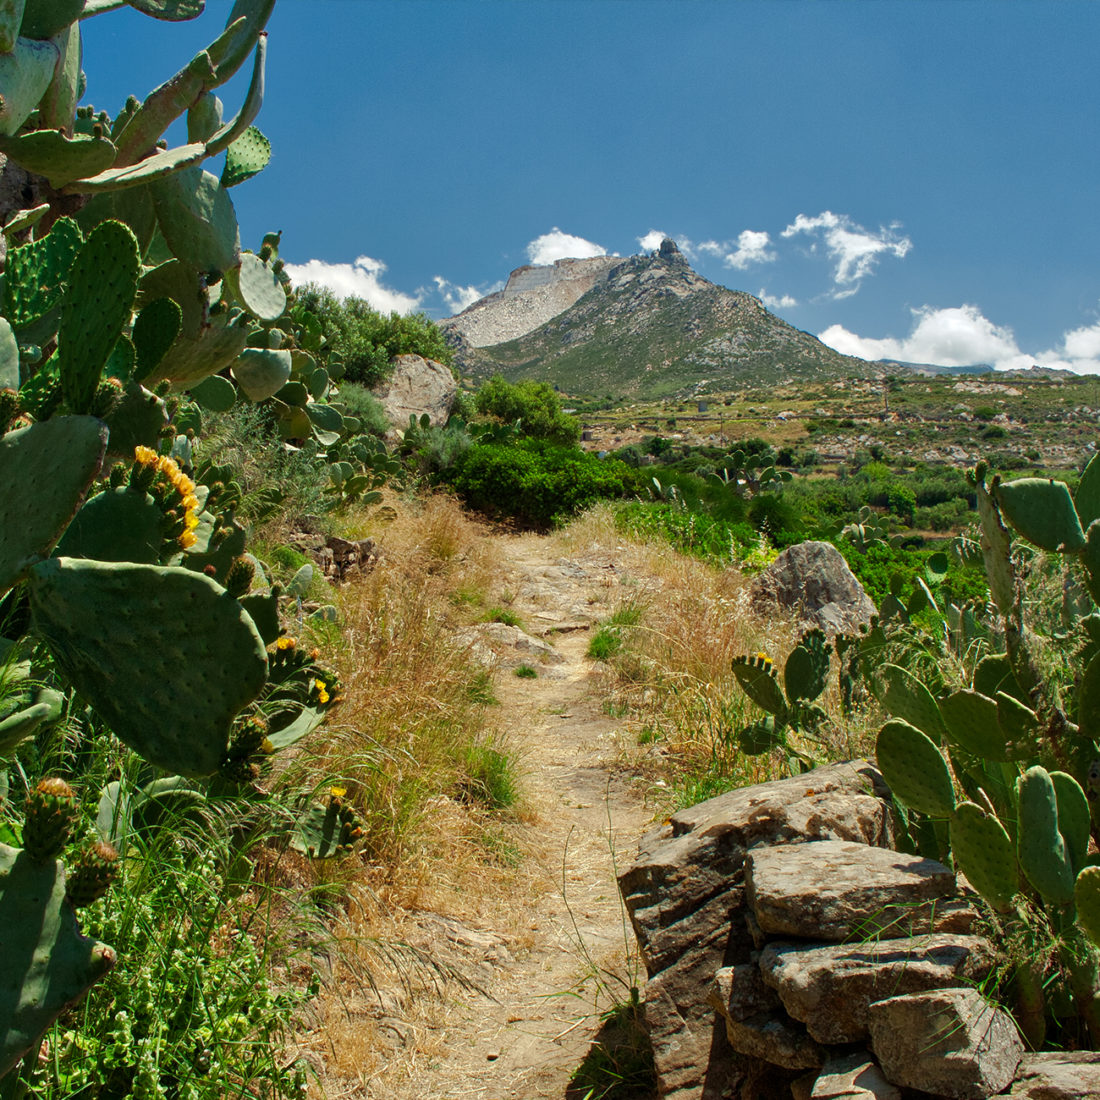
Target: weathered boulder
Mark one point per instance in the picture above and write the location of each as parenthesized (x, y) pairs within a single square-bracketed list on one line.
[(1057, 1076), (838, 890), (501, 645), (830, 988), (756, 1024), (951, 1042), (416, 386), (813, 580), (855, 1077), (685, 896)]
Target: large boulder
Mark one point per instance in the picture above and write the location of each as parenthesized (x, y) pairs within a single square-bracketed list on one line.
[(417, 386), (813, 580)]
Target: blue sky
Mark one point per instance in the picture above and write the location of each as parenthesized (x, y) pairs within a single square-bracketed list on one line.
[(909, 179)]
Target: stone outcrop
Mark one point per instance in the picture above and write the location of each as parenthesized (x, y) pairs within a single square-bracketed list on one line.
[(791, 951), (950, 1042), (686, 898), (416, 386), (813, 580)]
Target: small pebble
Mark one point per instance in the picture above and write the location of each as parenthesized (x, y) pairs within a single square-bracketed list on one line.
[(493, 1055)]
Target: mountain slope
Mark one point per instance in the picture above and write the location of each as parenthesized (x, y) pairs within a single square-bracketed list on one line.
[(652, 327)]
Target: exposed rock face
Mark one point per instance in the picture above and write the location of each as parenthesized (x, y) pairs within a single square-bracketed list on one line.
[(853, 1078), (951, 1043), (417, 386), (814, 580), (831, 987), (686, 899), (836, 890), (532, 297), (1057, 1076)]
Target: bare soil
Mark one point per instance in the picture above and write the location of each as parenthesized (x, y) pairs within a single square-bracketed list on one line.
[(554, 954)]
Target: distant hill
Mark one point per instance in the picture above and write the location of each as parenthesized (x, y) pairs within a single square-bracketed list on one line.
[(644, 327)]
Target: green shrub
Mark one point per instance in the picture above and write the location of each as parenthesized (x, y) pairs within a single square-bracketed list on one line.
[(535, 482), (535, 404), (361, 403), (490, 777), (526, 672)]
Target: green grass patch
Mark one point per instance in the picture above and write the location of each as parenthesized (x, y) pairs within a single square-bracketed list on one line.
[(619, 1063), (526, 672), (502, 615), (490, 777)]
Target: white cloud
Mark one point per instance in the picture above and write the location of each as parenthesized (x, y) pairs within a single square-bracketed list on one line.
[(752, 248), (456, 298), (359, 280), (557, 245), (854, 250), (962, 336), (784, 301), (651, 241)]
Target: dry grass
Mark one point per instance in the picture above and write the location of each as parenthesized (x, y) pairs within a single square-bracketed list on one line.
[(673, 675)]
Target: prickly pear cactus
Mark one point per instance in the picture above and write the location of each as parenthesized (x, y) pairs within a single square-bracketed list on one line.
[(915, 769), (48, 964), (168, 684), (326, 829)]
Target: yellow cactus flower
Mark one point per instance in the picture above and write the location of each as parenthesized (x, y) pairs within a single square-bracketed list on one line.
[(146, 456), (285, 643), (187, 540), (337, 792), (763, 656)]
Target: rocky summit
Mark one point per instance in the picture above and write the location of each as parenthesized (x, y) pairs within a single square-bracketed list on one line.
[(644, 327)]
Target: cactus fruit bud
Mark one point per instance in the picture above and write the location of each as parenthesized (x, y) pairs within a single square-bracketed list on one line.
[(51, 813), (239, 578), (117, 477), (9, 406), (96, 868), (141, 477)]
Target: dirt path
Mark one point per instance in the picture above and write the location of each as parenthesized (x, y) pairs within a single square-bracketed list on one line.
[(547, 981)]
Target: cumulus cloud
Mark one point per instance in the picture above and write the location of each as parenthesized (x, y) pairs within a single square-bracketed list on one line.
[(961, 336), (784, 301), (651, 241), (455, 297), (557, 245), (359, 280), (752, 248), (854, 250)]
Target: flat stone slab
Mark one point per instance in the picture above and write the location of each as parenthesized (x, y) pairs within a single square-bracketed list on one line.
[(951, 1042), (836, 890), (853, 1078), (768, 1034), (1057, 1076), (831, 988)]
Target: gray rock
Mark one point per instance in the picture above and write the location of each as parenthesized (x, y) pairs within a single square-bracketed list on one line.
[(838, 890), (813, 580), (685, 896), (508, 646), (416, 386), (831, 988), (766, 1034), (855, 1077), (1057, 1076), (950, 1042)]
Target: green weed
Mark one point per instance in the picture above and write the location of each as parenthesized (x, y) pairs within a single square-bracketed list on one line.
[(526, 672), (490, 777), (503, 615)]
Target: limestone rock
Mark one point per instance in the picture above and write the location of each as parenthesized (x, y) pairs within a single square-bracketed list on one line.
[(1057, 1076), (838, 890), (685, 896), (855, 1077), (831, 988), (813, 580), (415, 387), (950, 1042), (498, 644)]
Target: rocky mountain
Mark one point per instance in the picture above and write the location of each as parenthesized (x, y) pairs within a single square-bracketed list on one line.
[(643, 327)]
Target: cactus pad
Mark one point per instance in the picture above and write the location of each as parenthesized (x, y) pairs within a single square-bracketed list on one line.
[(163, 654), (9, 359), (257, 288), (1086, 894), (1039, 844), (248, 155), (914, 769), (904, 696), (322, 831), (97, 305), (118, 525), (25, 74), (197, 219), (190, 360), (807, 669), (58, 157), (984, 852), (1042, 511), (155, 331), (1086, 497), (971, 721), (36, 273), (46, 470), (137, 420), (1073, 818), (215, 393), (48, 964), (756, 675), (261, 372)]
